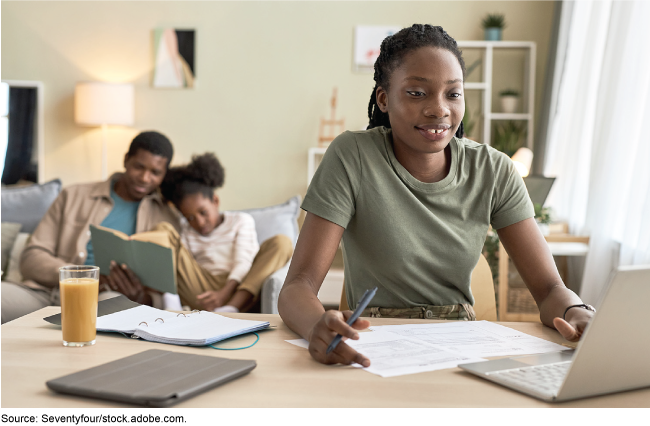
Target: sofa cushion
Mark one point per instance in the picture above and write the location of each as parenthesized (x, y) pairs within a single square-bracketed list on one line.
[(27, 204), (278, 219), (12, 273), (9, 233)]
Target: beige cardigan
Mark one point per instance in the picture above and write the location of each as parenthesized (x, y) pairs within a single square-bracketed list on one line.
[(62, 235)]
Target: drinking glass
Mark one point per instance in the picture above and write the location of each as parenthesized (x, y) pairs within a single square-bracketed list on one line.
[(79, 287)]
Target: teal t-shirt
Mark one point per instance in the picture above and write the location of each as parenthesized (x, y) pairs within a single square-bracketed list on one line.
[(418, 242), (122, 217)]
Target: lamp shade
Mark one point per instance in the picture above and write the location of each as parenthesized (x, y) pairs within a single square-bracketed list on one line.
[(98, 103), (523, 159)]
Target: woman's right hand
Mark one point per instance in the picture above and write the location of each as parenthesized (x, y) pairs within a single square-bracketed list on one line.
[(330, 324)]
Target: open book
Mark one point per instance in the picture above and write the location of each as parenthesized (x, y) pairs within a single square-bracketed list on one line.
[(147, 254), (190, 329)]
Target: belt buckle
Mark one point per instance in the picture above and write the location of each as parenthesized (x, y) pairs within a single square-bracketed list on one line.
[(428, 313)]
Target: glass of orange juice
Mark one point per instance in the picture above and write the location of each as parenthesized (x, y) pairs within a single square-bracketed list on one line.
[(79, 287)]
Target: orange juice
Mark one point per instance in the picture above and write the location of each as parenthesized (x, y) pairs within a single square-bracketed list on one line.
[(79, 310)]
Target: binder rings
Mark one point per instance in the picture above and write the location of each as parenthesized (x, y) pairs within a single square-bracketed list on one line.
[(153, 378), (198, 328)]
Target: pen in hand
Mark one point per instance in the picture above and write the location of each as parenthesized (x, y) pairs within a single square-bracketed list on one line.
[(365, 300)]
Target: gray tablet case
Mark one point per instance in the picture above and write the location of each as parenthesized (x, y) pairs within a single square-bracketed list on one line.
[(153, 378)]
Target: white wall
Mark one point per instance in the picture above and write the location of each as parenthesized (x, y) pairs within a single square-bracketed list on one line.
[(265, 73)]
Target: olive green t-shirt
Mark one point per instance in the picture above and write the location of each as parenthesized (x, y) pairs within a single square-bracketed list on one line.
[(418, 242)]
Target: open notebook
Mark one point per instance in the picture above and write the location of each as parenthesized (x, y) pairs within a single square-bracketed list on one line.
[(199, 328)]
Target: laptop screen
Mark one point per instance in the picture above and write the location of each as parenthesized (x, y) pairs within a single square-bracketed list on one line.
[(538, 188)]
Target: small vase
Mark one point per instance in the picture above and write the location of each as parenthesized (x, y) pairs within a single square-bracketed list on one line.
[(509, 104), (544, 228), (493, 34)]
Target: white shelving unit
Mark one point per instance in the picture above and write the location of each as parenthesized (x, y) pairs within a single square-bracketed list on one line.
[(528, 94), (312, 165)]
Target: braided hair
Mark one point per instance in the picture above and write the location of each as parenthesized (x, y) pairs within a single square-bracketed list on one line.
[(203, 175), (393, 50)]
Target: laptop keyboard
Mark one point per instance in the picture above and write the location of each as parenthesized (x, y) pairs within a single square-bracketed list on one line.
[(545, 379)]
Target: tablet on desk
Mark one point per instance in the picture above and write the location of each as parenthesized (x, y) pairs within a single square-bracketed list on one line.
[(152, 378)]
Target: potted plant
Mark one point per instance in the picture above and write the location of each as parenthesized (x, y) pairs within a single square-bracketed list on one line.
[(509, 100), (543, 218), (468, 124), (508, 136), (493, 24)]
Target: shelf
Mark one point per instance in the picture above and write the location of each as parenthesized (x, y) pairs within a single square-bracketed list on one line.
[(488, 92), (507, 116), (476, 86), (311, 161), (317, 150), (482, 44)]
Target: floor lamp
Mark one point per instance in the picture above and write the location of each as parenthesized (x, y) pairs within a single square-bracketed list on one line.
[(523, 159), (103, 104)]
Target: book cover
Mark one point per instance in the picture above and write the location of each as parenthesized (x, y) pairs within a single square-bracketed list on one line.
[(145, 254)]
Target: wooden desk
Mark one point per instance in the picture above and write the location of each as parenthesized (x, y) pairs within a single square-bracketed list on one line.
[(286, 376)]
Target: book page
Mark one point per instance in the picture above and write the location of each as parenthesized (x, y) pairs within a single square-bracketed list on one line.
[(156, 237), (115, 232)]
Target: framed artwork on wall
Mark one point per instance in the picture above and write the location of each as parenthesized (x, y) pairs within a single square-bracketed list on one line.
[(367, 41), (174, 62)]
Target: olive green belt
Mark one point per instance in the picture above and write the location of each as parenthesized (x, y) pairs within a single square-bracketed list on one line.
[(460, 312)]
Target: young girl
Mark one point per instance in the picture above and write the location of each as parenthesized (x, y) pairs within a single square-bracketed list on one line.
[(220, 265), (412, 201)]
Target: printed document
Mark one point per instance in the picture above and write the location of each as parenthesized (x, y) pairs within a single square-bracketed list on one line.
[(393, 355), (474, 338), (396, 350)]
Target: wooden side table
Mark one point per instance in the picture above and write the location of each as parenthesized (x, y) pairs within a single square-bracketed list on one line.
[(515, 301)]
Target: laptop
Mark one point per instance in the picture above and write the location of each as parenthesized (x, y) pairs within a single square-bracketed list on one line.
[(538, 188), (612, 355)]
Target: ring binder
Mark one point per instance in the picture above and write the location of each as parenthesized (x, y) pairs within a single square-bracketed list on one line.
[(191, 330)]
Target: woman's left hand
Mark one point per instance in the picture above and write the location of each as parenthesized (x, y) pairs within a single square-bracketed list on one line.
[(575, 323)]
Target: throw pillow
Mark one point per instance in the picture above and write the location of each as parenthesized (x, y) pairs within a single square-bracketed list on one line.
[(13, 269), (9, 233), (278, 219), (27, 204)]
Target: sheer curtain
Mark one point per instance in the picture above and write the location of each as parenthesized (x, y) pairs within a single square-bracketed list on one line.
[(599, 135)]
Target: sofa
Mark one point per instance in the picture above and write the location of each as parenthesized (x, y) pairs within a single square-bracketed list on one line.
[(24, 206)]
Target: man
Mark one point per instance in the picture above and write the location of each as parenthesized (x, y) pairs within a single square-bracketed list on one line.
[(129, 202)]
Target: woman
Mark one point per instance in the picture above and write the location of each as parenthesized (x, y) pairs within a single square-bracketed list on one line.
[(413, 201)]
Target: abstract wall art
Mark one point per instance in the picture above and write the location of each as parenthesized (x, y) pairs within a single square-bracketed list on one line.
[(367, 41), (174, 62)]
